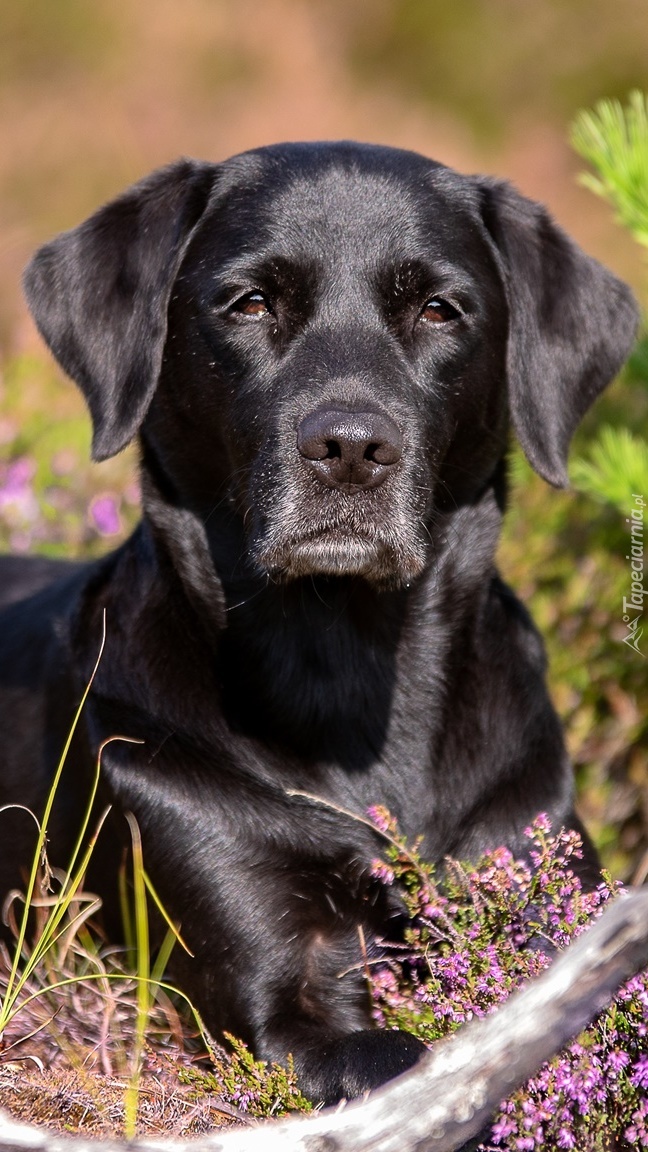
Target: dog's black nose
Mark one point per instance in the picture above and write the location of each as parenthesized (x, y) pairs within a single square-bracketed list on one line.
[(350, 449)]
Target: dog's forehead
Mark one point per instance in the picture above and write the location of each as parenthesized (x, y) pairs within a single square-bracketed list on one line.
[(300, 198)]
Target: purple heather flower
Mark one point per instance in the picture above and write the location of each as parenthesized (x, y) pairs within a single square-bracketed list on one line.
[(432, 911), (17, 476), (382, 871), (639, 1074), (503, 1128), (542, 823), (242, 1098), (104, 514), (379, 816), (16, 494), (638, 1131), (617, 1060)]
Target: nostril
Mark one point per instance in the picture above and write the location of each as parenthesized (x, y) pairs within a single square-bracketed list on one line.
[(333, 450), (370, 452), (387, 451)]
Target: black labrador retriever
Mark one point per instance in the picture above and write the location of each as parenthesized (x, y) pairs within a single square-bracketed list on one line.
[(320, 347)]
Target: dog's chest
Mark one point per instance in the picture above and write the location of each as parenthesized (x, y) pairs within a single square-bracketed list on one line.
[(343, 711), (334, 681)]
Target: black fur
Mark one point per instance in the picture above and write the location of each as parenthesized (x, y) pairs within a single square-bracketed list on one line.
[(319, 347)]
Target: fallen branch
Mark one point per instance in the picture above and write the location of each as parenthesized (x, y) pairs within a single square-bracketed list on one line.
[(451, 1094)]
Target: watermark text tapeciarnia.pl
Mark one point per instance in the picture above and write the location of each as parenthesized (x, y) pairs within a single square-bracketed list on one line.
[(633, 603)]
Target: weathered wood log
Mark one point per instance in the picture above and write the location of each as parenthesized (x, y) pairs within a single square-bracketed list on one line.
[(450, 1095)]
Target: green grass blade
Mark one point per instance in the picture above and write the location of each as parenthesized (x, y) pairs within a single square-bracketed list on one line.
[(144, 999), (94, 976), (49, 934), (174, 928), (40, 846), (163, 956)]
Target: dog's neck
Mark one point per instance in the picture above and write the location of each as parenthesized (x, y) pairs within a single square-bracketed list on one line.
[(312, 666)]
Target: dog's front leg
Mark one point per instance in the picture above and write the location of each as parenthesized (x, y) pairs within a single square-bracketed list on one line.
[(284, 967), (277, 965), (321, 1015), (275, 899)]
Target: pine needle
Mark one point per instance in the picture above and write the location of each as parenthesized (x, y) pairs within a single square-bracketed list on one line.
[(614, 141)]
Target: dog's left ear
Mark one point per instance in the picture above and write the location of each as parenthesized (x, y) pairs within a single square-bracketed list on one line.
[(100, 293), (571, 326)]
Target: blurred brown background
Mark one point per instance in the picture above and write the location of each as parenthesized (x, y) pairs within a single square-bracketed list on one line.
[(94, 93)]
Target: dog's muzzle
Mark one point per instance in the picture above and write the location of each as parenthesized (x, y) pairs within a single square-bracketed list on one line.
[(334, 518)]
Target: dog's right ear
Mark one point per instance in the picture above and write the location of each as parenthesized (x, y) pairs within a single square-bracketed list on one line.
[(99, 295)]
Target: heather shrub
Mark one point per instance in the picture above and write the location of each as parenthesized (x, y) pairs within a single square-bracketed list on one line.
[(476, 934), (53, 500), (253, 1087)]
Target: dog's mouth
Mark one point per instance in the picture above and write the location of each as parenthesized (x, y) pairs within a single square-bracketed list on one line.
[(381, 558)]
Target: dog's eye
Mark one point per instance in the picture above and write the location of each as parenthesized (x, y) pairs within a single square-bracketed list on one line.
[(438, 311), (253, 304)]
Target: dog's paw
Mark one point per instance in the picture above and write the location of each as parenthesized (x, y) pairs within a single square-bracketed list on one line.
[(353, 1065)]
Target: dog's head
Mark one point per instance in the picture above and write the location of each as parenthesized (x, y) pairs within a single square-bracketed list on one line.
[(330, 338)]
